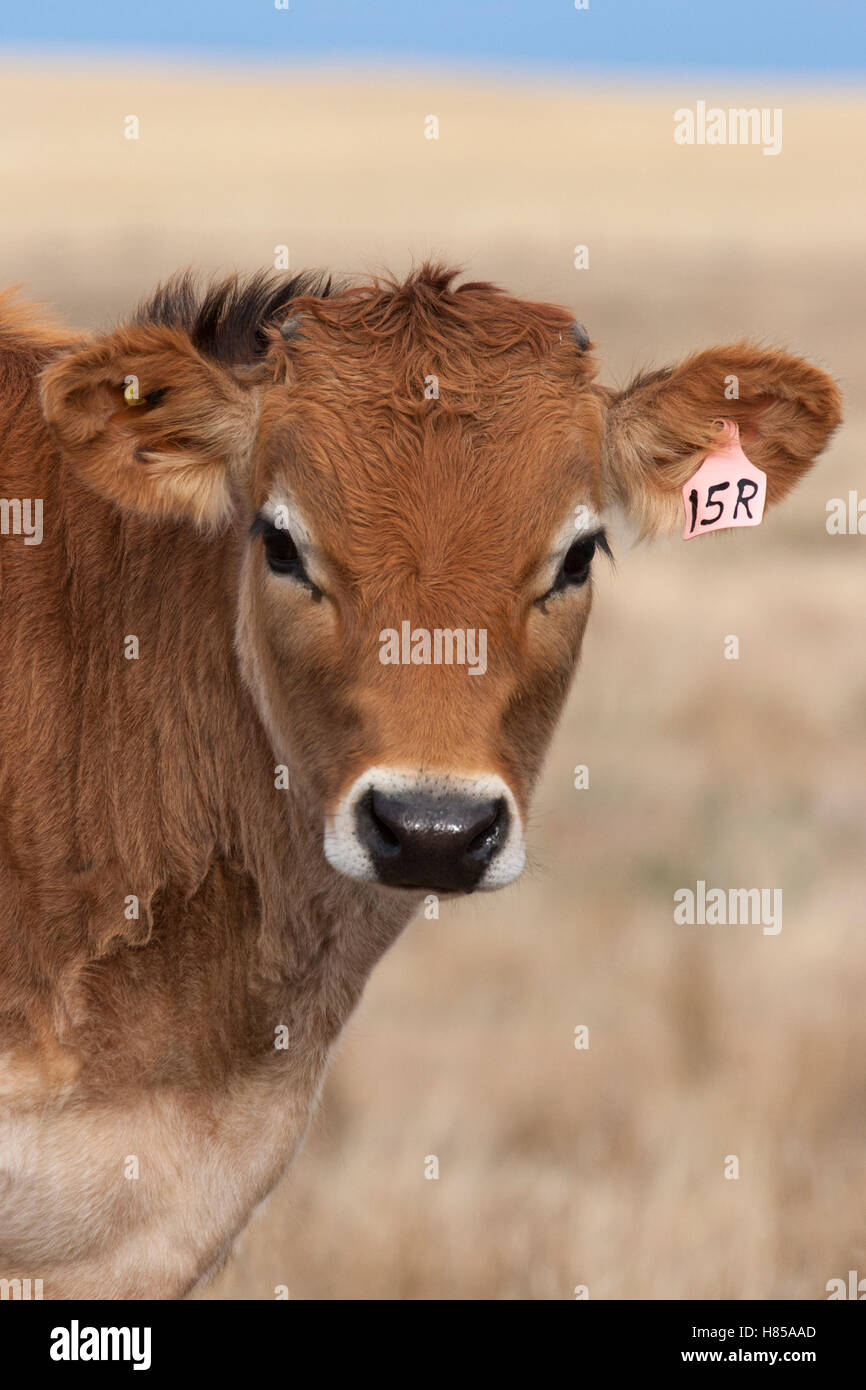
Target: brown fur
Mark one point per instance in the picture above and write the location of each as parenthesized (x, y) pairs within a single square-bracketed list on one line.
[(154, 1036)]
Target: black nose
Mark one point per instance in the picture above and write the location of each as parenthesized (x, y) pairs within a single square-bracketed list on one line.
[(418, 840)]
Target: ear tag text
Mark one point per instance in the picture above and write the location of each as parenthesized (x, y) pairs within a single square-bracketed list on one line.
[(727, 490)]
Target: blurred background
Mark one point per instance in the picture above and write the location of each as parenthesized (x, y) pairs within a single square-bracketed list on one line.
[(304, 128)]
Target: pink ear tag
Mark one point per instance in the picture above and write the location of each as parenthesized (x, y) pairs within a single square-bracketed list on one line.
[(727, 490)]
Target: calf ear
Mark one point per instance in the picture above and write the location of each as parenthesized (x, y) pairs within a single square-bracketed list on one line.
[(151, 424), (659, 429)]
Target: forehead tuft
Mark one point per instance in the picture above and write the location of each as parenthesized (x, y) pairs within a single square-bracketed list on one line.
[(428, 320)]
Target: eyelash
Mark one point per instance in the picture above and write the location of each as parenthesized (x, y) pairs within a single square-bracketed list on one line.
[(583, 551)]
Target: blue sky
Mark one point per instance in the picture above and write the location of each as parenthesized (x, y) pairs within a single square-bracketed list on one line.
[(786, 36)]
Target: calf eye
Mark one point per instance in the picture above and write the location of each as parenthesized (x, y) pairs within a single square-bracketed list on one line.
[(281, 552), (576, 564)]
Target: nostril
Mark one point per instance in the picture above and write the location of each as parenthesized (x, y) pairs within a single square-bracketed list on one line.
[(382, 831), (488, 832), (388, 837)]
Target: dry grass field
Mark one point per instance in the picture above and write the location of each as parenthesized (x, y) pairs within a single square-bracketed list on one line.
[(561, 1167)]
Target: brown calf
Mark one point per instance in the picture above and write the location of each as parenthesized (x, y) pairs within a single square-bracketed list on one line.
[(234, 749)]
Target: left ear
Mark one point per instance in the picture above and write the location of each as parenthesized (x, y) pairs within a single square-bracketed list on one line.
[(658, 430), (153, 425)]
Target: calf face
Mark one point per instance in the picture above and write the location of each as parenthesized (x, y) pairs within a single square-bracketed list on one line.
[(419, 477)]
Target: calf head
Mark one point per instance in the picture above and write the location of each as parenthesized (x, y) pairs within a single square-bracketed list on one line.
[(419, 476)]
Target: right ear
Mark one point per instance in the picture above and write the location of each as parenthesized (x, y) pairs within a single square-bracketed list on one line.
[(659, 429), (151, 424)]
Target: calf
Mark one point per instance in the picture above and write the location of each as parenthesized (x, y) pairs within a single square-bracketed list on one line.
[(313, 579)]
